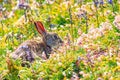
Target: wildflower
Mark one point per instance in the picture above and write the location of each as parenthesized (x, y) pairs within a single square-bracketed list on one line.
[(60, 63), (83, 74), (107, 12), (79, 41), (99, 78), (68, 40), (110, 1), (117, 22), (84, 7), (101, 2), (96, 2), (106, 26), (64, 73), (78, 61), (80, 1), (118, 1), (79, 31), (74, 76), (49, 1), (22, 4), (81, 13)]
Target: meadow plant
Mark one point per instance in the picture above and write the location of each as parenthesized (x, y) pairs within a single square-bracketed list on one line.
[(89, 25)]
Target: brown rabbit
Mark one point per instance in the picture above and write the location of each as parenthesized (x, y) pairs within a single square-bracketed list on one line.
[(31, 49)]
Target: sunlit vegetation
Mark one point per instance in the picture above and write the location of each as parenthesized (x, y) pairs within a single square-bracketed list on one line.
[(90, 30)]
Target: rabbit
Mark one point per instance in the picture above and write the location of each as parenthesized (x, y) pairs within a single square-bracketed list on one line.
[(31, 49)]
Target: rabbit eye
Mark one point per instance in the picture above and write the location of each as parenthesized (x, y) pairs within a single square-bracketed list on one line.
[(55, 37)]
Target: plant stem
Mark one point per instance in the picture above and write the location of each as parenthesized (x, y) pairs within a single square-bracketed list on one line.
[(86, 18), (71, 29), (2, 27), (95, 4), (25, 15), (102, 9), (97, 16), (113, 7)]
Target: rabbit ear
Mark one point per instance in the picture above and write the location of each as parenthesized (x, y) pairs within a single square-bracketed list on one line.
[(40, 28)]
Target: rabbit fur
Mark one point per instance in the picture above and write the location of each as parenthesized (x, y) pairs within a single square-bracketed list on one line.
[(31, 49)]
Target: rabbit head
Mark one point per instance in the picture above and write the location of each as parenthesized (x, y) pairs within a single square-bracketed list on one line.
[(51, 40)]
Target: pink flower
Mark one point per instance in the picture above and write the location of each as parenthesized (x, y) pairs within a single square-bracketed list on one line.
[(117, 21), (106, 26)]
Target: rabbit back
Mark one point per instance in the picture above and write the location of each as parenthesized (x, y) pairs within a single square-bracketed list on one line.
[(28, 50)]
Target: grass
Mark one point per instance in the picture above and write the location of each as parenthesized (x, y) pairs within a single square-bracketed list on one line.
[(96, 53)]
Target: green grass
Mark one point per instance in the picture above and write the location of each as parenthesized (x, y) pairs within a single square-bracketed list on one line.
[(93, 63)]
